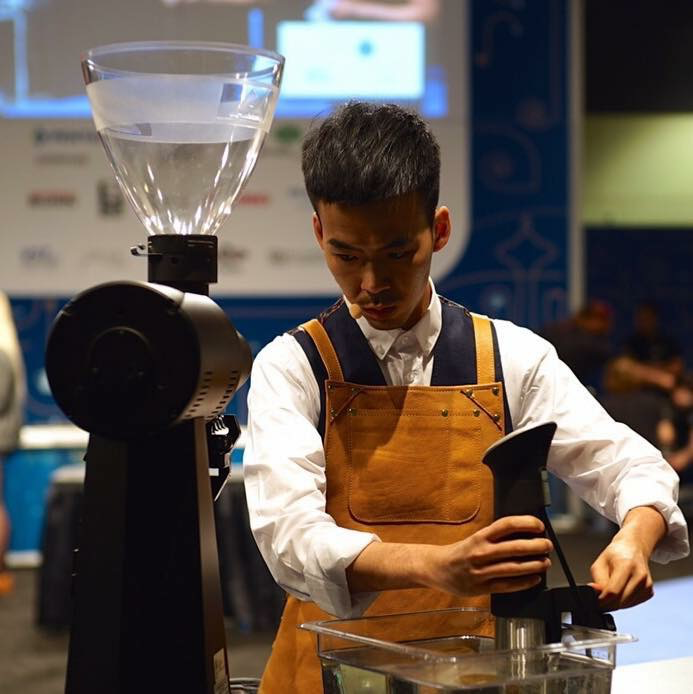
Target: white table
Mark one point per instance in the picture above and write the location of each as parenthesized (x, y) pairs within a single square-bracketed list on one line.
[(665, 676)]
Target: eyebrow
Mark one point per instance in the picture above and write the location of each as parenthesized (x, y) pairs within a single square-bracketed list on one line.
[(342, 246)]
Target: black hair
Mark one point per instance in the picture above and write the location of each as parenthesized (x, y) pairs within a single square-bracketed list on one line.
[(367, 152)]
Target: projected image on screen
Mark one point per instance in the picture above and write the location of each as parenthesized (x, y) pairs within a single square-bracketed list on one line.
[(368, 64), (335, 49)]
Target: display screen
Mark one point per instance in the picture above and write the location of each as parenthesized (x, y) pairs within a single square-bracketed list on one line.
[(335, 49)]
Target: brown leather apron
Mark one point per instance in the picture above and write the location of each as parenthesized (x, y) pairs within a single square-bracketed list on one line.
[(403, 462)]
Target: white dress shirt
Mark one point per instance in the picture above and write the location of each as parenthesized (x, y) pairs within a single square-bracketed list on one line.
[(611, 467)]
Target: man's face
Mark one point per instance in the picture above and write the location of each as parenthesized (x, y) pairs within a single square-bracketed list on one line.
[(380, 256)]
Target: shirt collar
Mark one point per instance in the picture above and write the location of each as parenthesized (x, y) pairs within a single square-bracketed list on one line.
[(425, 332)]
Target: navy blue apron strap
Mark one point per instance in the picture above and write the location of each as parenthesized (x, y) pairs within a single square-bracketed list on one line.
[(454, 354), (359, 363), (318, 367)]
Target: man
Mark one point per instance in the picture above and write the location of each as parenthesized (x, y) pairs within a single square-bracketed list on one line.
[(367, 426)]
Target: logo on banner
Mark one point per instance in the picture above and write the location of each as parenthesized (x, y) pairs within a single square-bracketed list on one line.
[(295, 256), (298, 195), (65, 136), (51, 198), (254, 199), (104, 259), (38, 257), (284, 139), (230, 257), (287, 133), (61, 159), (110, 200)]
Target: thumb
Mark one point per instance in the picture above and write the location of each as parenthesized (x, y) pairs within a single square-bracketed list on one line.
[(600, 573)]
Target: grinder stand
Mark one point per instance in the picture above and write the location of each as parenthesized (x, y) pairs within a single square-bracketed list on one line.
[(148, 611)]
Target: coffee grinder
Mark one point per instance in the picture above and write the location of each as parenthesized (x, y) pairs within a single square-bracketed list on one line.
[(147, 368)]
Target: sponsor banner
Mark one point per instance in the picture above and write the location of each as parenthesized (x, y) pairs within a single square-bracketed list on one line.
[(67, 225)]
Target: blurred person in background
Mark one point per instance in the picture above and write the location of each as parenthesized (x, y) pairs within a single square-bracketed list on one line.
[(639, 383), (583, 342), (649, 344), (12, 390), (675, 430), (651, 358)]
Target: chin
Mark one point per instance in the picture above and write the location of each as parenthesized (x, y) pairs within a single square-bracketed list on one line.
[(389, 323)]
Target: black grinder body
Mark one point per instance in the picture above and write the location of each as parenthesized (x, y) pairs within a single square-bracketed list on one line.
[(143, 368)]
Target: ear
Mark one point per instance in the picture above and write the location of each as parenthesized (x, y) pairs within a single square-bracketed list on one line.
[(442, 227), (317, 229)]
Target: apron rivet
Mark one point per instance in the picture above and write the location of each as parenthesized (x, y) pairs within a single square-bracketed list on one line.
[(476, 413), (330, 386), (444, 413), (468, 392), (495, 390), (496, 417), (352, 411)]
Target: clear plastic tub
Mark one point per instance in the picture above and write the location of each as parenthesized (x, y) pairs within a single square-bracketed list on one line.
[(440, 651)]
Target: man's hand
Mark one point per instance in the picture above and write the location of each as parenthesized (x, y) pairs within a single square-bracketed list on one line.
[(486, 562), (621, 572)]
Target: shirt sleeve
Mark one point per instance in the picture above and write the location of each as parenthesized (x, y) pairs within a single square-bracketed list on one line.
[(605, 462), (284, 474)]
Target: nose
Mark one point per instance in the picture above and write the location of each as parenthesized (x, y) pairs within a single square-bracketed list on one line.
[(373, 281)]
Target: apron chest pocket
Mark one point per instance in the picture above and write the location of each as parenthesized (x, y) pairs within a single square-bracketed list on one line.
[(422, 467)]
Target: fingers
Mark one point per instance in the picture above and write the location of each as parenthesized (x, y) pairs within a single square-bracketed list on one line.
[(538, 547), (510, 525), (626, 591), (511, 569), (629, 584), (478, 565), (638, 589), (600, 573), (609, 598), (497, 547)]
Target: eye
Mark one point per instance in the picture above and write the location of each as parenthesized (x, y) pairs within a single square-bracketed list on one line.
[(398, 255), (345, 258)]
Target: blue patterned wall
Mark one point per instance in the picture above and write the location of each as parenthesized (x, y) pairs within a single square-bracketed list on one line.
[(516, 263)]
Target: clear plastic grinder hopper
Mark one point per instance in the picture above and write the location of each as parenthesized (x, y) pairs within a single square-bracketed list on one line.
[(182, 124)]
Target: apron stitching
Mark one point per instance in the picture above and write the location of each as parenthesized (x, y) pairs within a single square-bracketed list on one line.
[(329, 311), (448, 514), (495, 418), (355, 391)]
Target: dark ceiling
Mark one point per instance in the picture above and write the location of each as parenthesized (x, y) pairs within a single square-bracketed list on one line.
[(639, 55)]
